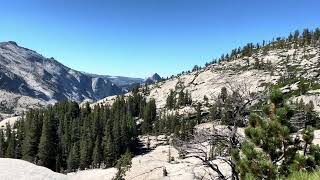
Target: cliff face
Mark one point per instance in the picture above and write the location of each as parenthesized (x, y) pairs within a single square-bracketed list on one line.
[(27, 78)]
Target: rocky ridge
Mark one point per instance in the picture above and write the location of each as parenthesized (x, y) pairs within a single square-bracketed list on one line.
[(284, 68), (30, 80)]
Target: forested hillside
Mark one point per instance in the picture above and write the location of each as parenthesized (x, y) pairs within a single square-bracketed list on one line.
[(269, 91)]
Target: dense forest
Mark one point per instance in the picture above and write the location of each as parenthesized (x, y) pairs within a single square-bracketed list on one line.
[(65, 137)]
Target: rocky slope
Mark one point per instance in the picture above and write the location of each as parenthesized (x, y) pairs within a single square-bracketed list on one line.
[(27, 80), (19, 169), (284, 68), (23, 170)]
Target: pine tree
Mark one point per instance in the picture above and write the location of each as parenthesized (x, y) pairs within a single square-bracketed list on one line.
[(84, 154), (115, 142), (132, 132), (171, 100), (62, 150), (32, 136), (150, 114), (97, 154), (123, 165), (85, 146), (3, 146), (296, 35), (48, 142), (181, 99), (183, 130), (19, 125), (270, 151), (108, 145), (290, 37), (73, 158), (306, 35), (75, 131), (11, 142), (109, 151)]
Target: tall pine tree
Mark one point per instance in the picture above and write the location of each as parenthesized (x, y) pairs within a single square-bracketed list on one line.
[(48, 141)]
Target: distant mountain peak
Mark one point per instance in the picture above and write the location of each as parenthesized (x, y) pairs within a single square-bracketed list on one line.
[(153, 79), (13, 43), (156, 76), (8, 43)]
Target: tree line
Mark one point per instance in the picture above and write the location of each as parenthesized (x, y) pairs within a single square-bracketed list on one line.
[(65, 137), (294, 40)]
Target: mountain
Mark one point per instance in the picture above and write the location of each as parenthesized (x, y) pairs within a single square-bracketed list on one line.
[(27, 79), (153, 79), (123, 82), (290, 65)]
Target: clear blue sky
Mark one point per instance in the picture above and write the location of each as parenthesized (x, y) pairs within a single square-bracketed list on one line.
[(139, 37)]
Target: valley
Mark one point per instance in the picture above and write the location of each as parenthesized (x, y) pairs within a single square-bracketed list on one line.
[(252, 113)]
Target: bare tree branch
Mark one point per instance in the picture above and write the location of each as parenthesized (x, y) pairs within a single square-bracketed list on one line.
[(214, 146)]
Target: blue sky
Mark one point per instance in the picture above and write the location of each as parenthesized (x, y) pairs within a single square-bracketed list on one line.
[(139, 37)]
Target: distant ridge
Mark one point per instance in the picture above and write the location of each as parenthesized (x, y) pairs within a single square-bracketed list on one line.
[(28, 79)]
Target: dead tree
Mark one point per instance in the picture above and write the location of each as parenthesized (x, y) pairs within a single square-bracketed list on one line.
[(234, 107), (211, 147), (216, 145)]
